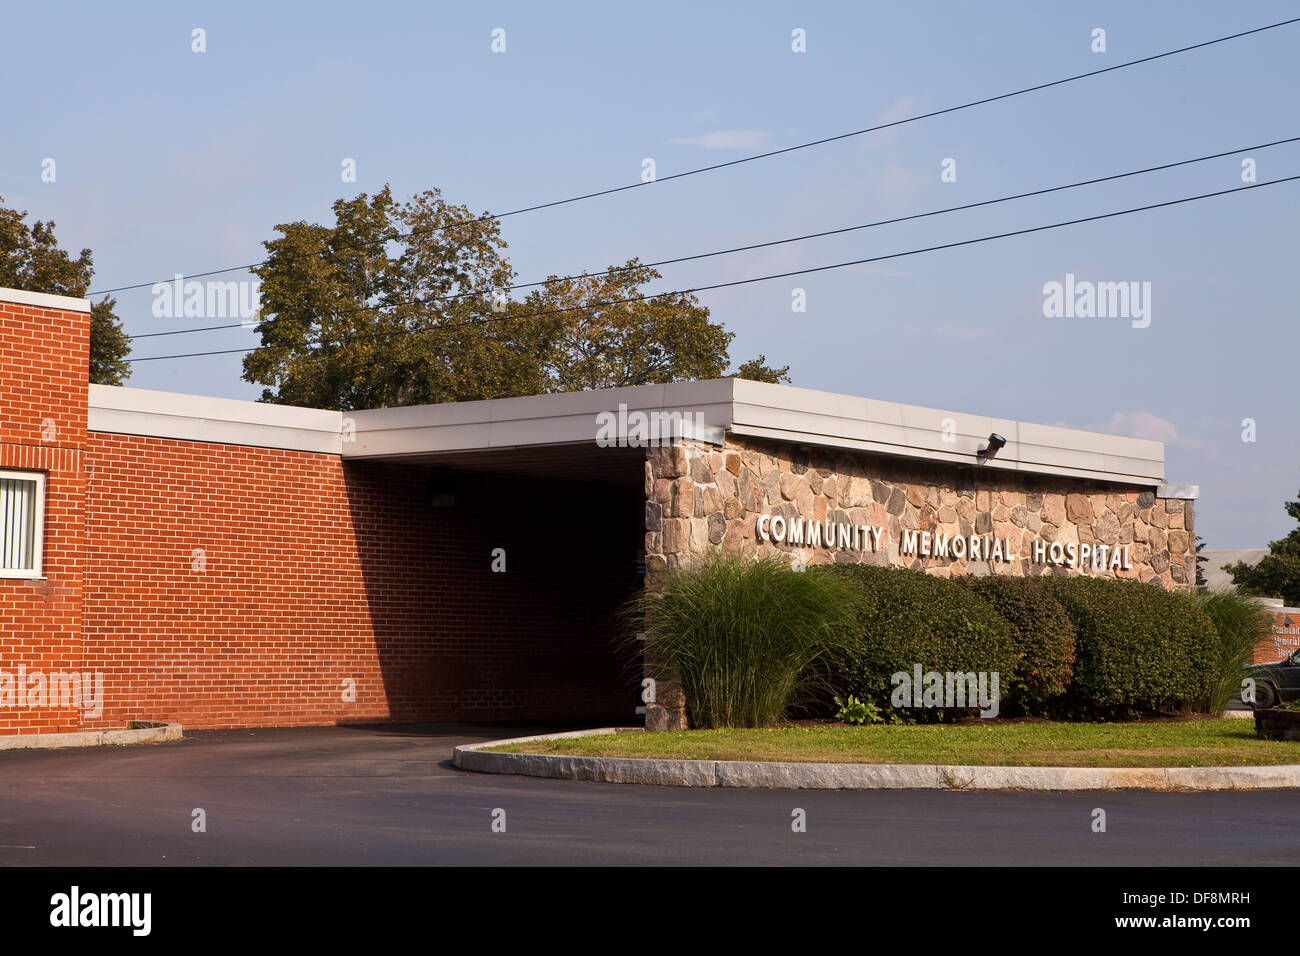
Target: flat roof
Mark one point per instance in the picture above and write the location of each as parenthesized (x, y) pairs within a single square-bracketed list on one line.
[(45, 300), (705, 411), (1216, 558), (230, 421)]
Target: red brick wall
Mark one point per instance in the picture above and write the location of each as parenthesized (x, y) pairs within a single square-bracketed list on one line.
[(233, 586), (226, 586), (1285, 639), (222, 586), (459, 640), (43, 374)]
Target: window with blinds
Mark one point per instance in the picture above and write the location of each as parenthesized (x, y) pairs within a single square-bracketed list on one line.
[(22, 512)]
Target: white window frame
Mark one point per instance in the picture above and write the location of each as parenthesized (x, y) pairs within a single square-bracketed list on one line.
[(37, 570)]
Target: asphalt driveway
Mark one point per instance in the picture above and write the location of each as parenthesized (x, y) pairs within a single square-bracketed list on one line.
[(388, 795)]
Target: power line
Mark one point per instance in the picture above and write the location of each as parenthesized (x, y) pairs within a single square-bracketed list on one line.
[(765, 278), (773, 242), (774, 152)]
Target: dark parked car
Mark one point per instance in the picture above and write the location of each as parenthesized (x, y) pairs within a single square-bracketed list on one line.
[(1276, 682)]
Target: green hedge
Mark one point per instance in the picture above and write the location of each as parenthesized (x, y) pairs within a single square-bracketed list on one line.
[(1138, 648), (907, 618), (1044, 639), (751, 639)]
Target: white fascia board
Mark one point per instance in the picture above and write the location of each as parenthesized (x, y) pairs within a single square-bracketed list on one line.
[(758, 409), (227, 421), (45, 300), (559, 419), (714, 391), (1152, 472), (998, 464), (909, 431)]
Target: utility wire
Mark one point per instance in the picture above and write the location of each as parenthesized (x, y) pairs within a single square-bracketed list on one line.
[(765, 278), (770, 243), (774, 152)]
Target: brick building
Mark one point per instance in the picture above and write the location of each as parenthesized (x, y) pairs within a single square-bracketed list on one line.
[(1283, 638), (224, 563), (1284, 632)]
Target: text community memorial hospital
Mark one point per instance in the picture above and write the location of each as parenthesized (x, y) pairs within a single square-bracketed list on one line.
[(221, 563)]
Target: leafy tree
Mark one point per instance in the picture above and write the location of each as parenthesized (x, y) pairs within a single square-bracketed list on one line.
[(403, 304), (757, 370), (345, 304), (109, 345), (1201, 583), (31, 260), (595, 338), (1278, 573)]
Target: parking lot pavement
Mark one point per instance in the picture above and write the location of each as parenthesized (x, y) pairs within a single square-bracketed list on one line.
[(388, 795)]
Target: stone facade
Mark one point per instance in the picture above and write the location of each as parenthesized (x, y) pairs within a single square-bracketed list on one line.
[(701, 498)]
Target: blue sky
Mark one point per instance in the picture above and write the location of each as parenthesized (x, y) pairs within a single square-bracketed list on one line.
[(172, 161)]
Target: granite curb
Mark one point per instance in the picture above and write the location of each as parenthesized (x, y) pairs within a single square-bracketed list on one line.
[(835, 776), (91, 738)]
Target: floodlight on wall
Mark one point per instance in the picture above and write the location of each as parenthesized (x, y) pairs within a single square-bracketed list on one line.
[(995, 444)]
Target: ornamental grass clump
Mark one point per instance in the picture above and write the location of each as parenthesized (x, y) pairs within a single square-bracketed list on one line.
[(1239, 623), (743, 635)]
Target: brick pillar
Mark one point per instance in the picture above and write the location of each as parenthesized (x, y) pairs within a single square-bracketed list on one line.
[(44, 377)]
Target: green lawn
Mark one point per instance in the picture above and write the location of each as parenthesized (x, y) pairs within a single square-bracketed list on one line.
[(1188, 743)]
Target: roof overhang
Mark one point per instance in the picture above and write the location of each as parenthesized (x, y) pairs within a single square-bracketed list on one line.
[(229, 421), (702, 411)]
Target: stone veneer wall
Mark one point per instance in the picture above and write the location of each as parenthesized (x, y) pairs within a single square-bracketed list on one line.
[(700, 498)]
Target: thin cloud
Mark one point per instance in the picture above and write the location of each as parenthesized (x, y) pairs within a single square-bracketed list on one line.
[(728, 139), (896, 188), (1148, 426), (900, 109)]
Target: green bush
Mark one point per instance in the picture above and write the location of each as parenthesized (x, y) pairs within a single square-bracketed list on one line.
[(1139, 649), (907, 618), (854, 711), (744, 635), (1044, 638), (1239, 624)]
